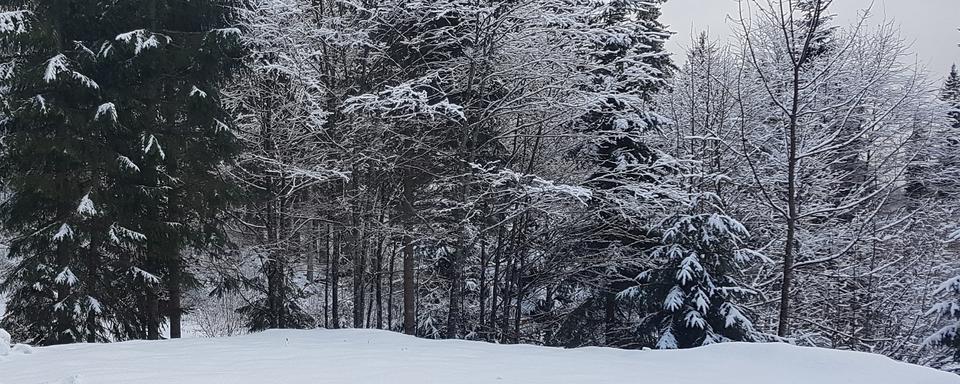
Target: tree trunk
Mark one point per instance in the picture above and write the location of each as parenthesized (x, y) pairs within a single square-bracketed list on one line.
[(505, 301), (335, 283), (456, 292), (153, 314), (358, 271), (609, 315), (483, 284), (409, 294), (378, 273), (393, 256), (783, 327), (174, 310), (496, 282), (328, 247), (314, 238), (519, 289)]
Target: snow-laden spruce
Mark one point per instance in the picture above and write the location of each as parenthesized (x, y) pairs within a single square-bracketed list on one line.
[(103, 150), (691, 296), (948, 313)]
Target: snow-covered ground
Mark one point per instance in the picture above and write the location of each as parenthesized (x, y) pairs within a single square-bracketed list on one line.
[(365, 356)]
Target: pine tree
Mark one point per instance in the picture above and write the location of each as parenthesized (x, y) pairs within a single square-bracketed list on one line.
[(115, 136), (690, 297)]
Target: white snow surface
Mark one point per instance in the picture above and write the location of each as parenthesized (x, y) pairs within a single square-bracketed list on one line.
[(366, 356)]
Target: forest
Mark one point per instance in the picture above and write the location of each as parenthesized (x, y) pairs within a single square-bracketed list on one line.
[(510, 171)]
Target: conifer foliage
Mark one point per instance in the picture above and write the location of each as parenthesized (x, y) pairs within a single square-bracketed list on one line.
[(114, 134), (951, 96), (690, 297), (947, 311)]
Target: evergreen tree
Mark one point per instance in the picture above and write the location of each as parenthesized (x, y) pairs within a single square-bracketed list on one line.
[(951, 96), (689, 298), (114, 139), (948, 312), (948, 152), (815, 17), (948, 162), (628, 66)]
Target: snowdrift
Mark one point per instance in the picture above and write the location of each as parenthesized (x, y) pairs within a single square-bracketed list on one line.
[(365, 356)]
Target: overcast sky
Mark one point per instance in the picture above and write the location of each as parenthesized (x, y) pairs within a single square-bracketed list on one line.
[(930, 25)]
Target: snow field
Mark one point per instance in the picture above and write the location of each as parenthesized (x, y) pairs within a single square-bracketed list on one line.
[(368, 356)]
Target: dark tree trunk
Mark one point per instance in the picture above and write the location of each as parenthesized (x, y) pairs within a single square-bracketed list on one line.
[(312, 257), (174, 310), (483, 283), (456, 292), (378, 272), (358, 271), (609, 316), (335, 283), (328, 248), (409, 294), (393, 256), (496, 282), (153, 314)]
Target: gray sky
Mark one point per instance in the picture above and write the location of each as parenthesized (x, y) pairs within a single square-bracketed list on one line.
[(930, 25)]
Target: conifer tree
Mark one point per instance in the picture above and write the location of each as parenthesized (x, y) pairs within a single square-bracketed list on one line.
[(948, 152), (689, 298), (115, 134), (951, 96), (629, 65), (947, 311)]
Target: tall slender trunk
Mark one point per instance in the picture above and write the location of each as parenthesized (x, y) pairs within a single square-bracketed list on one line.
[(519, 284), (783, 326), (409, 294), (378, 273), (409, 288), (335, 283), (456, 292), (505, 301), (328, 247), (393, 256), (174, 310), (483, 283), (314, 238), (498, 258), (359, 266)]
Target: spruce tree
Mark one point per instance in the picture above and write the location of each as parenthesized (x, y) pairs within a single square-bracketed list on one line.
[(951, 96), (690, 296), (114, 139), (628, 66), (947, 153), (947, 311), (934, 170)]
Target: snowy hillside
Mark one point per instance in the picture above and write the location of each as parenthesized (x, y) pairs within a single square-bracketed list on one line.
[(364, 356)]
